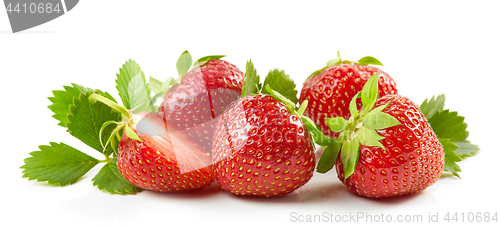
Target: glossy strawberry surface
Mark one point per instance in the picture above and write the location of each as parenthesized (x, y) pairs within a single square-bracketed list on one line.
[(413, 158), (330, 92), (201, 97), (261, 149), (166, 160)]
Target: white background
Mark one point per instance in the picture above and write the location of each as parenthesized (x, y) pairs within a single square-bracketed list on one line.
[(428, 47)]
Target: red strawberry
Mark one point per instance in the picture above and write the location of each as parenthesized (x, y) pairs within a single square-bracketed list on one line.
[(155, 155), (330, 89), (261, 148), (413, 158), (387, 149), (201, 97), (164, 161)]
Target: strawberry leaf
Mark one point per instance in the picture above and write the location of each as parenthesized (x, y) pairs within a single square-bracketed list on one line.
[(62, 99), (450, 157), (57, 164), (466, 149), (110, 179), (315, 73), (250, 80), (353, 109), (155, 85), (369, 60), (449, 125), (138, 93), (318, 136), (329, 157), (336, 124), (430, 107), (370, 137), (451, 131), (349, 156), (369, 94), (379, 120), (85, 120), (128, 71), (130, 133), (281, 83), (202, 61), (280, 97), (184, 63)]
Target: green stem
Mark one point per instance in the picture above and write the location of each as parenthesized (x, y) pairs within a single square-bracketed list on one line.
[(105, 160), (96, 97)]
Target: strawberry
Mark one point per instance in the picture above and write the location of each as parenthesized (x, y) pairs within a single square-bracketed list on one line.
[(155, 155), (261, 148), (329, 90), (262, 145), (387, 149), (195, 104)]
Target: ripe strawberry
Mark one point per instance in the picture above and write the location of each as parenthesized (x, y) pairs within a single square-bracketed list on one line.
[(330, 89), (262, 148), (387, 149), (413, 158), (195, 104), (165, 161), (155, 155)]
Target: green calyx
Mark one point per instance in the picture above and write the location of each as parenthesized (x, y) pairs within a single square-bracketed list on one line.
[(367, 60), (126, 123), (360, 129)]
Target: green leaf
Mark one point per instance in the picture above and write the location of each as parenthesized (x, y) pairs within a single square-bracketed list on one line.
[(335, 61), (64, 98), (155, 85), (369, 60), (302, 107), (128, 71), (380, 120), (369, 94), (86, 118), (109, 179), (329, 157), (336, 124), (202, 61), (57, 164), (277, 95), (318, 136), (250, 80), (370, 137), (138, 93), (466, 149), (353, 108), (167, 84), (184, 63), (450, 157), (281, 83), (315, 73), (430, 107), (349, 156), (332, 62), (449, 125), (130, 133)]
